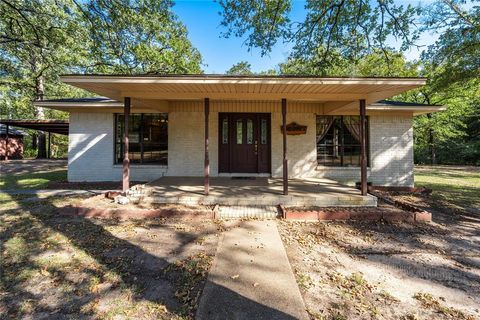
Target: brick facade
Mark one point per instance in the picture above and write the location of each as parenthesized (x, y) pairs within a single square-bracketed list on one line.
[(91, 145)]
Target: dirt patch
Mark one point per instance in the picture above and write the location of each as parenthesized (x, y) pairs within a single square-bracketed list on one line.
[(32, 166), (59, 266), (379, 270)]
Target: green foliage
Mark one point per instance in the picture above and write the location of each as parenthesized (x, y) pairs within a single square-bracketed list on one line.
[(240, 68), (347, 28), (456, 53), (141, 36), (41, 39), (373, 64)]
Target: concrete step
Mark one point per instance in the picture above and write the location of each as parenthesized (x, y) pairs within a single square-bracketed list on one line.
[(240, 212), (268, 200)]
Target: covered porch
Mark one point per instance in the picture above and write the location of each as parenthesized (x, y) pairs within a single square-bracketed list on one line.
[(258, 191)]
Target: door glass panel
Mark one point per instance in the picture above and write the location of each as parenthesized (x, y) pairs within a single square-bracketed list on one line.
[(239, 131), (263, 131), (225, 131), (249, 131)]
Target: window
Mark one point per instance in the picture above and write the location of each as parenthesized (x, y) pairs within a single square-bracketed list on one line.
[(263, 131), (239, 131), (147, 138), (225, 131), (338, 141)]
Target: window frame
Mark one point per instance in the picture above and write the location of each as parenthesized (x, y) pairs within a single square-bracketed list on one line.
[(118, 145), (342, 144)]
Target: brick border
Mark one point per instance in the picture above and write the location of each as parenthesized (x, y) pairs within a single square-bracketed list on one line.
[(357, 215)]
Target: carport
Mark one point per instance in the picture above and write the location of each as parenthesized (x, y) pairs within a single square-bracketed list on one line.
[(50, 126)]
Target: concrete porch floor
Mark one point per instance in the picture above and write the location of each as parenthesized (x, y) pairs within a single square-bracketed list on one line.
[(257, 192)]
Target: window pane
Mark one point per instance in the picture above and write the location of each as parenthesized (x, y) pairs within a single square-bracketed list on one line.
[(148, 138), (338, 140), (263, 131), (239, 131), (225, 131), (249, 131)]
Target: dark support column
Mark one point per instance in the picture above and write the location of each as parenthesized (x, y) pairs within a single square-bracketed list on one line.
[(126, 160), (207, 159), (49, 145), (363, 144), (6, 143), (285, 159)]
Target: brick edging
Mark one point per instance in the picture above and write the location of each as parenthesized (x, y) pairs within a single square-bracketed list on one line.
[(125, 214)]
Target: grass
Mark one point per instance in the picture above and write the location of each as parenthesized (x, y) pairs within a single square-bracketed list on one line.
[(37, 180), (458, 186)]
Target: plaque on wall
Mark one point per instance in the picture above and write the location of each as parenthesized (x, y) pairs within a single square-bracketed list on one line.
[(294, 128)]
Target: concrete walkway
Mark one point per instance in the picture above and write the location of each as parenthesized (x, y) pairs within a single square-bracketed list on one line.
[(251, 277)]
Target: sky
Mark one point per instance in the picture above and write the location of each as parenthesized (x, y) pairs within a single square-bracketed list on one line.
[(202, 20)]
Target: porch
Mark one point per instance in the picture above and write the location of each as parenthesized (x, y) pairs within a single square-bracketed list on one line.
[(257, 191)]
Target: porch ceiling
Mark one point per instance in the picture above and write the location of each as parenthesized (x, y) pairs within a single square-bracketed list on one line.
[(334, 93)]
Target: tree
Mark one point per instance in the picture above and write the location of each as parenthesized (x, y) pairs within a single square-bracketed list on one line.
[(142, 36), (41, 39), (350, 29), (456, 53), (241, 68), (370, 65), (38, 39)]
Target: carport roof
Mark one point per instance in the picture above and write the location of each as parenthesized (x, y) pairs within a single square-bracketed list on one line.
[(50, 125)]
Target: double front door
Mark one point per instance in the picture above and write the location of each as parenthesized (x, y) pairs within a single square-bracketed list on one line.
[(244, 142)]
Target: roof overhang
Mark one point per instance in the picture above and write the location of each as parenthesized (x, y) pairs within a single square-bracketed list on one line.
[(398, 106), (336, 95)]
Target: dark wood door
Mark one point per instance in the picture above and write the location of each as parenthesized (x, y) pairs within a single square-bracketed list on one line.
[(244, 142)]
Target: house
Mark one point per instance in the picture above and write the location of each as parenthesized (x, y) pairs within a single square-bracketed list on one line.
[(11, 143), (209, 126)]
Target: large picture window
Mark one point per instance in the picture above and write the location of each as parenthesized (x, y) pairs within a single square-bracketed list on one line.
[(147, 137), (338, 141)]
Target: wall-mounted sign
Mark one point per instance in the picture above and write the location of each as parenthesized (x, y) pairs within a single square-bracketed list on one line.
[(294, 128)]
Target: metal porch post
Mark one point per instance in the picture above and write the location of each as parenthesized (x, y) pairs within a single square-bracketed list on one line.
[(6, 142), (207, 159), (285, 159), (363, 145), (49, 145), (126, 160)]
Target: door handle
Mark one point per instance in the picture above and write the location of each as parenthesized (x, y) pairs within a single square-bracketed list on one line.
[(256, 146)]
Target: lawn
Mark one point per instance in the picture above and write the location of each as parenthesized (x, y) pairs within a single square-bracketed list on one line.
[(453, 187), (32, 180), (60, 267)]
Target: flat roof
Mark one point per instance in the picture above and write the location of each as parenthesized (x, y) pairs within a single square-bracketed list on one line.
[(48, 125)]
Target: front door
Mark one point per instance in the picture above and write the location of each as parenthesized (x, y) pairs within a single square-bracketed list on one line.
[(244, 142)]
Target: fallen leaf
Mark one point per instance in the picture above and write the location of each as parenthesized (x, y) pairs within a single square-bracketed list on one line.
[(235, 276), (255, 284)]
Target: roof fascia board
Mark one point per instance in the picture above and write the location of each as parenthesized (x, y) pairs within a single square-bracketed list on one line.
[(77, 104), (242, 80)]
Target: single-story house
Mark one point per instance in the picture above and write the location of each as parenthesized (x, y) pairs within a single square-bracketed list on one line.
[(289, 127)]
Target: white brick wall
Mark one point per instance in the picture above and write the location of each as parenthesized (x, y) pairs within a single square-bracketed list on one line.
[(90, 151), (91, 146)]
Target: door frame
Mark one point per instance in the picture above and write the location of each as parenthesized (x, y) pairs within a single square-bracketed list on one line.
[(229, 152)]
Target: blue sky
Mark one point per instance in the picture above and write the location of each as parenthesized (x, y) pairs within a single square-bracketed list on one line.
[(219, 54)]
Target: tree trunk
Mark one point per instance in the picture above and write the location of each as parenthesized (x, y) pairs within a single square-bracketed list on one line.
[(431, 142), (40, 114)]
